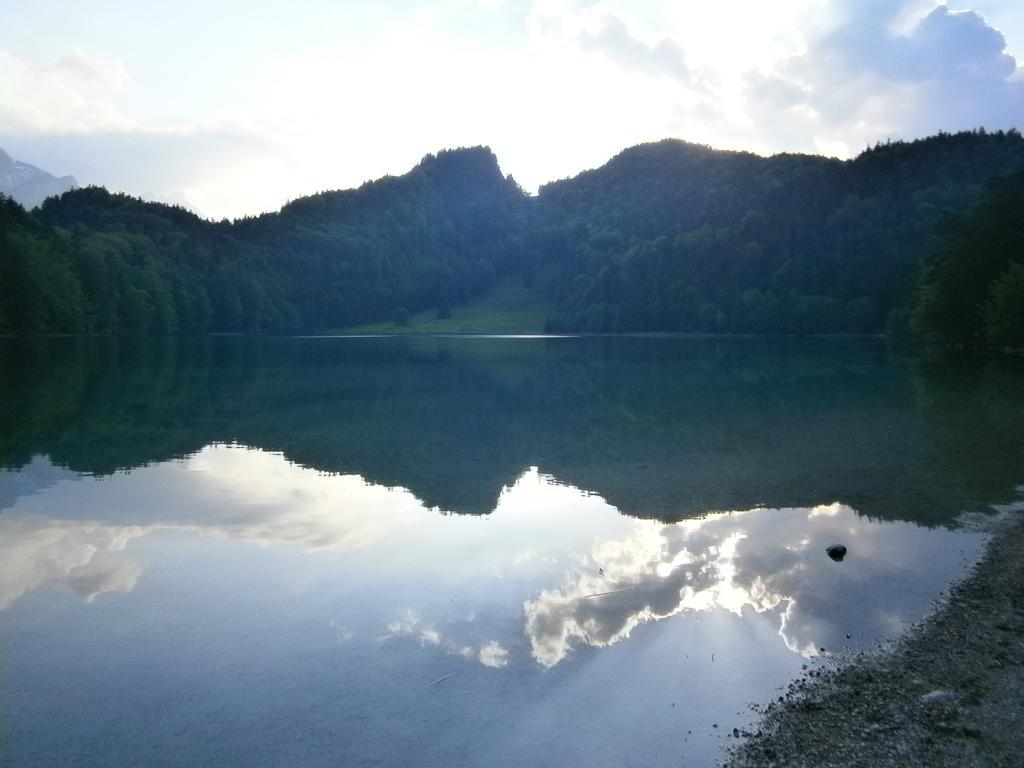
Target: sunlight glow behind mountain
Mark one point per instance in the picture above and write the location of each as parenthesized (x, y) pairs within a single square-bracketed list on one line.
[(238, 110)]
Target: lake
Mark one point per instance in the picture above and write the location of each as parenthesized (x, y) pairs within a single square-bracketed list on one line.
[(435, 551)]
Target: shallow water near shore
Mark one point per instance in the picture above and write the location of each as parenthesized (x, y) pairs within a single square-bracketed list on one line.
[(464, 551)]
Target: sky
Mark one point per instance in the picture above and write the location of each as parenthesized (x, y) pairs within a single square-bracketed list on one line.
[(237, 107)]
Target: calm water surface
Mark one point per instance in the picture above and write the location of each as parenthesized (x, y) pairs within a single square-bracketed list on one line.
[(461, 552)]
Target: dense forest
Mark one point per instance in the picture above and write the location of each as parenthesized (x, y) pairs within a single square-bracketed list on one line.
[(971, 292), (667, 236), (674, 237), (95, 262)]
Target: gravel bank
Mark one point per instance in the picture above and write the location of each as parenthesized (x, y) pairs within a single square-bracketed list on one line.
[(949, 693)]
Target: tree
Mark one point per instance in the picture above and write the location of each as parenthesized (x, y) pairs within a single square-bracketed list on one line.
[(1004, 310), (966, 293)]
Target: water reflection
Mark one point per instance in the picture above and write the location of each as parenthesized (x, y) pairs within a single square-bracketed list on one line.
[(226, 492), (490, 654), (256, 551), (758, 560), (37, 551), (665, 428), (638, 571), (270, 612)]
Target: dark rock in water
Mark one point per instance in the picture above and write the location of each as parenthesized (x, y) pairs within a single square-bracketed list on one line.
[(837, 552)]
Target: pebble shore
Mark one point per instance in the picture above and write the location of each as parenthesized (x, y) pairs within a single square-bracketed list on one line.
[(950, 692)]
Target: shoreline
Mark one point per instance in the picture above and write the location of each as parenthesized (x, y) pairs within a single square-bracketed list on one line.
[(948, 692)]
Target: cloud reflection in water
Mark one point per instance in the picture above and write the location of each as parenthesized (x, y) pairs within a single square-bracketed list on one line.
[(490, 654), (69, 534), (52, 536), (760, 560)]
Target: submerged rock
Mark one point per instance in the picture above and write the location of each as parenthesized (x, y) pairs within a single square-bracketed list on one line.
[(837, 552)]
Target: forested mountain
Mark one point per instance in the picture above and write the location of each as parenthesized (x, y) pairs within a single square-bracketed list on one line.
[(676, 237), (99, 262), (666, 236)]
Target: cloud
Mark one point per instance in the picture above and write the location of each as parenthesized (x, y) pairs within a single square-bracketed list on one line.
[(61, 116), (610, 35), (888, 69), (91, 70), (940, 44), (70, 96), (761, 560)]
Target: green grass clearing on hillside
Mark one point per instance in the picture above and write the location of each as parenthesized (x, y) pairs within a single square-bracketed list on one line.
[(508, 308)]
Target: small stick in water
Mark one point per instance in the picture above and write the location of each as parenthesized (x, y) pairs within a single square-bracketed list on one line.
[(613, 592), (440, 680)]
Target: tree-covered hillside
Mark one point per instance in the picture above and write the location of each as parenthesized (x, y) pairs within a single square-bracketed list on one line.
[(666, 236), (972, 292), (676, 237), (92, 261)]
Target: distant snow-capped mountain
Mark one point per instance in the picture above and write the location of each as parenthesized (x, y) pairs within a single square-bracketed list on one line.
[(30, 185)]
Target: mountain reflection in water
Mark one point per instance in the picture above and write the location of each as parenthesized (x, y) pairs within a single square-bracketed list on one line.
[(465, 551), (661, 427)]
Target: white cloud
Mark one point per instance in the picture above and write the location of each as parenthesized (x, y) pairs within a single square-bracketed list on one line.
[(888, 70), (92, 70), (70, 96), (62, 117), (610, 36)]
